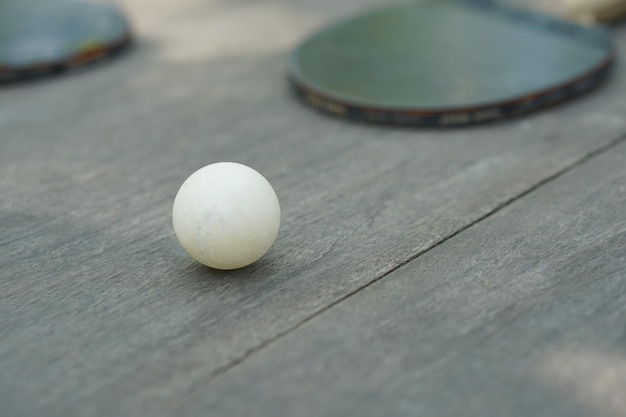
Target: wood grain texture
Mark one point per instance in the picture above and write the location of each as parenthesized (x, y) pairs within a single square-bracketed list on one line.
[(520, 315), (102, 313)]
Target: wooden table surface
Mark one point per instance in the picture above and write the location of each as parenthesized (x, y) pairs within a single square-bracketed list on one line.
[(466, 272)]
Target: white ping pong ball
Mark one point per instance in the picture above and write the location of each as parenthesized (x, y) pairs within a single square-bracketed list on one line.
[(226, 215)]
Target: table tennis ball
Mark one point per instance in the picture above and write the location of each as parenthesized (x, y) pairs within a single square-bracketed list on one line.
[(226, 215)]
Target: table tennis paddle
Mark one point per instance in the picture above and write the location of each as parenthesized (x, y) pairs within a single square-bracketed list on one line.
[(47, 36), (448, 63)]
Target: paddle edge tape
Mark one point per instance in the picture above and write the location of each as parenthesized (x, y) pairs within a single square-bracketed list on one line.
[(90, 56), (454, 116)]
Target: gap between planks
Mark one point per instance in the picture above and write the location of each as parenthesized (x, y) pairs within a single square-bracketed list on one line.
[(174, 403)]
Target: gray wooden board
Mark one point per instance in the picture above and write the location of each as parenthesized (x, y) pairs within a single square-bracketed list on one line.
[(523, 314), (102, 313)]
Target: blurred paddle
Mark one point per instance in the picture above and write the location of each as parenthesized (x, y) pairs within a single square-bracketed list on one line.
[(47, 36), (448, 63)]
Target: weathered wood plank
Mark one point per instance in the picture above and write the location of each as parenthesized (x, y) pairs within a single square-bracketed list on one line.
[(520, 315), (101, 312)]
